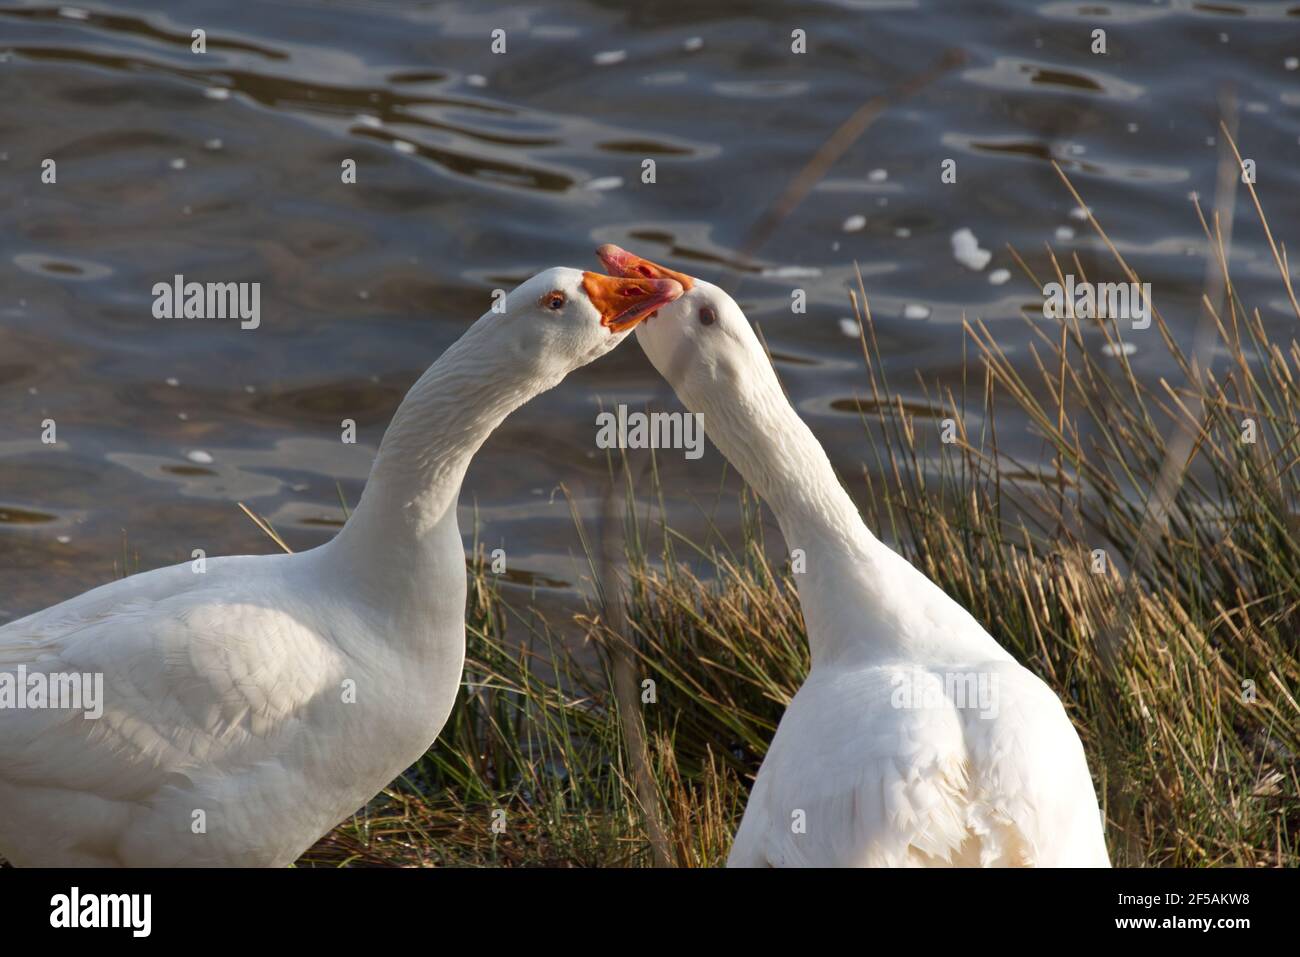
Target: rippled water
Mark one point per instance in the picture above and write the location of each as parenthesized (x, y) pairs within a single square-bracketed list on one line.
[(477, 169)]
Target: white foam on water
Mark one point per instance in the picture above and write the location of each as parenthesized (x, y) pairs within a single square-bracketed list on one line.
[(966, 250)]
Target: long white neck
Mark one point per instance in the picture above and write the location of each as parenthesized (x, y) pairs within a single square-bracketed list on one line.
[(415, 481), (841, 589)]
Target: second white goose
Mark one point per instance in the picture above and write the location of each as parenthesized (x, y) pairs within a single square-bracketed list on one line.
[(876, 761)]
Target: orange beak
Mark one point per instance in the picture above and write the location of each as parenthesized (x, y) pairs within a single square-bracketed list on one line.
[(620, 262), (625, 302)]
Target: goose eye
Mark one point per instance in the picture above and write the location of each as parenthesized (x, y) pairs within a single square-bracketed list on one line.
[(707, 316), (554, 300)]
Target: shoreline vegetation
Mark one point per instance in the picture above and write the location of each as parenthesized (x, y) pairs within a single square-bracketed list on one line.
[(1147, 567)]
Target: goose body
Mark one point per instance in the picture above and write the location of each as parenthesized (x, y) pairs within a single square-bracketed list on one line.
[(916, 739), (249, 707), (225, 739)]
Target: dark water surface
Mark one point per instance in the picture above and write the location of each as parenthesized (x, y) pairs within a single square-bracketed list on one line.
[(476, 170)]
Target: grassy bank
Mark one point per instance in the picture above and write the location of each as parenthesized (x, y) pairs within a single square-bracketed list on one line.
[(1146, 565)]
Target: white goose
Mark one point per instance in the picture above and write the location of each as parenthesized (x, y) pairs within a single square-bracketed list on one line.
[(227, 736), (880, 759)]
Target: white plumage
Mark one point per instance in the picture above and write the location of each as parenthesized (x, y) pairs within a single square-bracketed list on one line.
[(229, 734), (916, 740)]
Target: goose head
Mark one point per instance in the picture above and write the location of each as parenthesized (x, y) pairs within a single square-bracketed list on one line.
[(702, 342), (563, 318)]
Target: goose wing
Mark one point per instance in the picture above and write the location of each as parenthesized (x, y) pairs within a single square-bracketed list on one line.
[(879, 767)]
